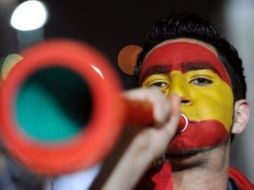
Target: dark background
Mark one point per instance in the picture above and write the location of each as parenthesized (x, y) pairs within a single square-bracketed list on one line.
[(107, 25)]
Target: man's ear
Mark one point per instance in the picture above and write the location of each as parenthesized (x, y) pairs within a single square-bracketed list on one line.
[(242, 114)]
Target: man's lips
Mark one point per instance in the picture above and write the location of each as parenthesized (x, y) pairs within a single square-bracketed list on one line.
[(199, 134)]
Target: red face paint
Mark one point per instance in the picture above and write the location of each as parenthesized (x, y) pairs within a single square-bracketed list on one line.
[(199, 135), (181, 55)]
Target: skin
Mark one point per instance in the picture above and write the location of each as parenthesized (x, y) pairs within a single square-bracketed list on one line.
[(206, 168)]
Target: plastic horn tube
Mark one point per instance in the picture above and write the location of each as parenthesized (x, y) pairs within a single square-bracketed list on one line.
[(183, 123), (61, 108), (139, 113), (33, 127)]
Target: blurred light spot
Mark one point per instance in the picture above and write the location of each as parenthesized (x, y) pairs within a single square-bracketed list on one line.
[(9, 63), (29, 15)]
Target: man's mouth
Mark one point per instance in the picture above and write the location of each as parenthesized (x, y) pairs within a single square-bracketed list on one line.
[(199, 135)]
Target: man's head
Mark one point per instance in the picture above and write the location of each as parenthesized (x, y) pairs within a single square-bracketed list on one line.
[(193, 27), (184, 54)]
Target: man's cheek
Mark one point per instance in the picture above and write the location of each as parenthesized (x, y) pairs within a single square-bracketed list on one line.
[(208, 133), (211, 106)]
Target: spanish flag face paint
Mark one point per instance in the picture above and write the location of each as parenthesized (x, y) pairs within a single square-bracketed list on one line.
[(194, 72)]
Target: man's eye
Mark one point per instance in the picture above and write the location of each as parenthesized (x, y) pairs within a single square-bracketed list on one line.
[(159, 84), (201, 81)]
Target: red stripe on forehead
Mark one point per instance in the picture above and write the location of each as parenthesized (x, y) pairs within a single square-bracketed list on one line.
[(176, 55)]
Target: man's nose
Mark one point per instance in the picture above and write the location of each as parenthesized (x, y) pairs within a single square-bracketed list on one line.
[(179, 86)]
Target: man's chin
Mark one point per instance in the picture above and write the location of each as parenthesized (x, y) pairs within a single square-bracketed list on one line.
[(186, 153), (186, 159)]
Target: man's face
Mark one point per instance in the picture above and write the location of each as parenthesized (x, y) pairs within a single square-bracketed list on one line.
[(193, 70)]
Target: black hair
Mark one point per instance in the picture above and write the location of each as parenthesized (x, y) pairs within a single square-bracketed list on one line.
[(194, 27)]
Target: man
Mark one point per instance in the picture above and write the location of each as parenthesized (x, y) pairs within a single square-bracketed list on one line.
[(184, 55)]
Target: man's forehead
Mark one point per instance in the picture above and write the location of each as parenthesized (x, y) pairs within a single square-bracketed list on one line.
[(183, 55), (186, 40)]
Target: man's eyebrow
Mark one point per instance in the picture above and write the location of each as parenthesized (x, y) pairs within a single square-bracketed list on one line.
[(157, 69), (197, 65), (187, 66)]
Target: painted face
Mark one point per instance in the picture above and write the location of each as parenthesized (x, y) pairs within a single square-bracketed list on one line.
[(194, 72)]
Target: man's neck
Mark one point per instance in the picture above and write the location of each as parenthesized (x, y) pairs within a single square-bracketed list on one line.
[(211, 172)]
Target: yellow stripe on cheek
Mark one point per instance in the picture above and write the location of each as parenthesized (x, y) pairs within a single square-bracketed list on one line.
[(209, 102), (213, 102)]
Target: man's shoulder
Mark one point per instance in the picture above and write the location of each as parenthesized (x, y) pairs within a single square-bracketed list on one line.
[(240, 179)]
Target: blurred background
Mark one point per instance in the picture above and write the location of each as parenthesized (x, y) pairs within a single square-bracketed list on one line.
[(110, 25)]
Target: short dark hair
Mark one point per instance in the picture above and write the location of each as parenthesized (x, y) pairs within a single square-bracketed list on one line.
[(192, 26)]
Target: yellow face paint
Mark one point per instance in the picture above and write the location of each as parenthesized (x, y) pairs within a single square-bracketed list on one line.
[(205, 96)]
